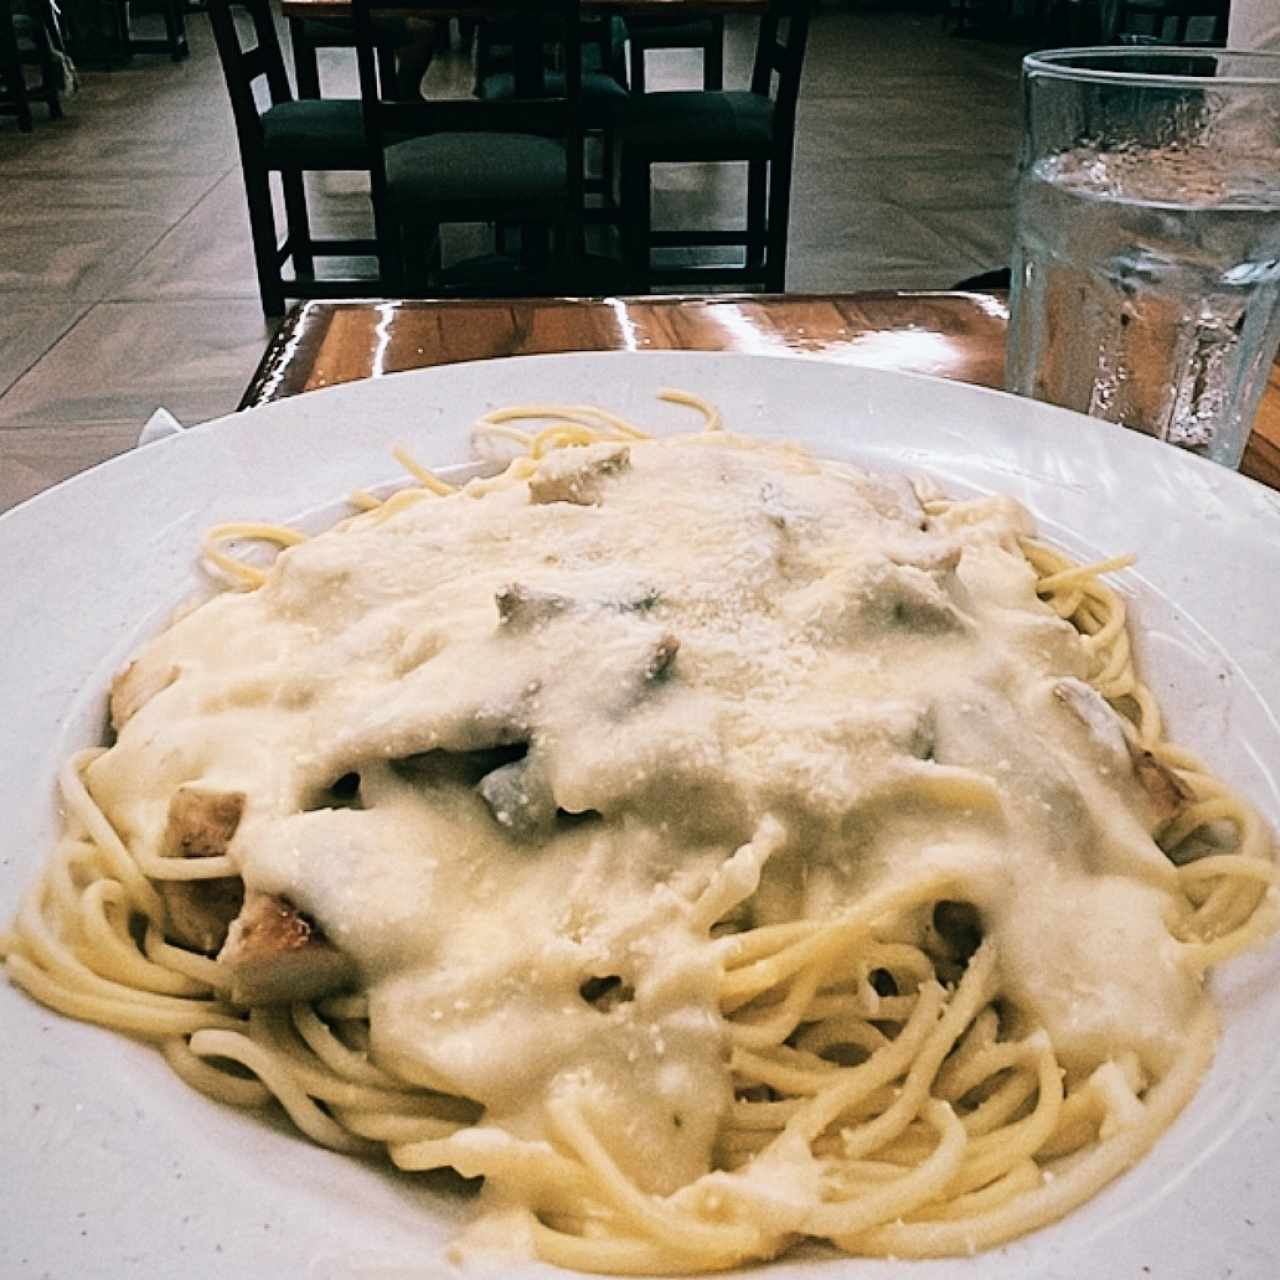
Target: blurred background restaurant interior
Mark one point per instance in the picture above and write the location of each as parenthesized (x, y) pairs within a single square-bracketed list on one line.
[(126, 269)]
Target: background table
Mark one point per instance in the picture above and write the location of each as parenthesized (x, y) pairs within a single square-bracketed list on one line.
[(948, 335), (486, 8)]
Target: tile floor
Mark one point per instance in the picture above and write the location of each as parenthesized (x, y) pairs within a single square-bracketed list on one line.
[(126, 280)]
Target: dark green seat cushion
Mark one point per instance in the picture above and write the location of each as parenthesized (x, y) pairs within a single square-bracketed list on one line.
[(698, 125), (325, 133), (485, 174), (602, 96)]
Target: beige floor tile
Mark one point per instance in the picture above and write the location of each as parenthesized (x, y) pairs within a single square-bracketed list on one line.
[(205, 255), (81, 236), (34, 458), (125, 358), (985, 234), (965, 180), (72, 256), (845, 130), (27, 332)]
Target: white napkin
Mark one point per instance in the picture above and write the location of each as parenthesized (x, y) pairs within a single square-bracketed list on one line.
[(160, 426)]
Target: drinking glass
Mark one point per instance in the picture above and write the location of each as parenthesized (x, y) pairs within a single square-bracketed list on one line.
[(1146, 265)]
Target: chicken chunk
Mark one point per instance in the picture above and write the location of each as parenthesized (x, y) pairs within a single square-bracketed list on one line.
[(578, 475), (277, 955), (201, 825), (134, 687), (1114, 740)]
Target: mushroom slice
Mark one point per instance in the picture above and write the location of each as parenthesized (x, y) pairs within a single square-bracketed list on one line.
[(519, 797), (1167, 792), (578, 475), (277, 955), (660, 658), (135, 686), (201, 825), (520, 606)]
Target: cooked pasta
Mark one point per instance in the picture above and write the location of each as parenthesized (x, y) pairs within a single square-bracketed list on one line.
[(709, 846)]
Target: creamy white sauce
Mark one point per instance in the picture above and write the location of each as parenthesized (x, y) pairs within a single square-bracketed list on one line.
[(836, 657)]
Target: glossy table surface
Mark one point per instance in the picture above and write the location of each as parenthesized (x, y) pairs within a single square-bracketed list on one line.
[(483, 8), (948, 335)]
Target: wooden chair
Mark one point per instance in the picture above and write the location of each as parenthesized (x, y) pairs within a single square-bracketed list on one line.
[(290, 137), (646, 33), (24, 41), (307, 35), (1168, 21), (698, 127), (173, 42), (515, 160), (604, 95)]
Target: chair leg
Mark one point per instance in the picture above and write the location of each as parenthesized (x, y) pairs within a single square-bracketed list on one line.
[(175, 30), (306, 66), (637, 66), (775, 265), (21, 103), (295, 212), (713, 58), (608, 159), (757, 224), (388, 90), (386, 231), (417, 254), (637, 207), (49, 77), (266, 249)]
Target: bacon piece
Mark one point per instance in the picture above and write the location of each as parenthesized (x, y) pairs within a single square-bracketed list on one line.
[(578, 475), (134, 687), (277, 955), (201, 825)]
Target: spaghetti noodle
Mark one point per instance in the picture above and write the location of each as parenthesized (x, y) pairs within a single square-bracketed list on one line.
[(696, 903)]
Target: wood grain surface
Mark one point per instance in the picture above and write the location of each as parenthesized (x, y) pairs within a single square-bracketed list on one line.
[(948, 335)]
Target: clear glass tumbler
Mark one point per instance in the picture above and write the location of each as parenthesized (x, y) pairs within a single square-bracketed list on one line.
[(1146, 266)]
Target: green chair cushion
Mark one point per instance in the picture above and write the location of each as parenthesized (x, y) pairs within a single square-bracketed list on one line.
[(696, 124), (490, 173), (327, 133)]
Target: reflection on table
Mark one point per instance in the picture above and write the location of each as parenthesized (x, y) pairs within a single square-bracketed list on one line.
[(947, 335)]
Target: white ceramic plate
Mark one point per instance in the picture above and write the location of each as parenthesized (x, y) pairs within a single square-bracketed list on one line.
[(110, 1166)]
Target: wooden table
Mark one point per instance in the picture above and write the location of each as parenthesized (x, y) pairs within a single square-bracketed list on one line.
[(949, 335), (485, 8)]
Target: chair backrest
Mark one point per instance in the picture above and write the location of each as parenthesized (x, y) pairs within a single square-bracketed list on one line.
[(243, 64), (1158, 14), (13, 95), (601, 35), (533, 110), (784, 32)]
